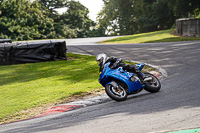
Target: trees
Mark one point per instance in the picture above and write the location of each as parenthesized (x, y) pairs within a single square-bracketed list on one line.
[(154, 15), (53, 4), (23, 20), (38, 19), (76, 17), (28, 20), (185, 8), (75, 20), (135, 16), (113, 16)]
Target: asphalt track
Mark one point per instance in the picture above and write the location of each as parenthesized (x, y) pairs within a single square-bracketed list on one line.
[(175, 107)]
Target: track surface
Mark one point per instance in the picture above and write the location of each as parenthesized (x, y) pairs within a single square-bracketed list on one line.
[(176, 106)]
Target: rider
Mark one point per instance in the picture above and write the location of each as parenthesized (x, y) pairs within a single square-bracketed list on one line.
[(117, 62)]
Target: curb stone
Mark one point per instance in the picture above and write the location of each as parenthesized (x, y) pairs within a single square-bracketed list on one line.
[(91, 101), (83, 103)]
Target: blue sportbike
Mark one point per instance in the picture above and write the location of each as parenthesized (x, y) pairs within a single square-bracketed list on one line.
[(119, 83)]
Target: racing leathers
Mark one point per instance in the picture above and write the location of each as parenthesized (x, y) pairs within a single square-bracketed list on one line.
[(117, 62)]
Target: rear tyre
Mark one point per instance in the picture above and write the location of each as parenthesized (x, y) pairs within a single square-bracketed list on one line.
[(116, 92), (153, 85)]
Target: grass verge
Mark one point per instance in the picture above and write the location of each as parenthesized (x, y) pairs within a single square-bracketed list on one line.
[(151, 37), (31, 87)]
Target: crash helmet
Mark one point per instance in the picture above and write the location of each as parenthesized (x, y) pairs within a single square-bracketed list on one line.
[(101, 59)]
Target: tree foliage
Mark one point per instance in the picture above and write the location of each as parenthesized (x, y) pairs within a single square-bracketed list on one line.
[(76, 17), (23, 20), (28, 20), (53, 4), (38, 19), (135, 16)]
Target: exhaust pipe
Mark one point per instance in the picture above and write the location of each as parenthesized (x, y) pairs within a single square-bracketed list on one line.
[(148, 79)]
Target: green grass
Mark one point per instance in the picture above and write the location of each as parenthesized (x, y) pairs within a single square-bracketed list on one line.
[(31, 85), (157, 36)]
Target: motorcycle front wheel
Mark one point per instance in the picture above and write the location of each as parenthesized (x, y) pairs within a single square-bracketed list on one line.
[(153, 85), (117, 93)]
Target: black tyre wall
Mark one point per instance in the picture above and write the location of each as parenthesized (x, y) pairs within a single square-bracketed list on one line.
[(31, 52)]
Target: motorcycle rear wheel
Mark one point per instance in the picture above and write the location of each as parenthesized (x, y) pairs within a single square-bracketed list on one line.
[(152, 86), (116, 93)]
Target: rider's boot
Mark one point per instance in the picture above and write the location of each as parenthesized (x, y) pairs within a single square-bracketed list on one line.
[(141, 76)]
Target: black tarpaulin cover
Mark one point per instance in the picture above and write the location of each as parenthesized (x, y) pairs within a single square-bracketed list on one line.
[(5, 57), (30, 52), (5, 40)]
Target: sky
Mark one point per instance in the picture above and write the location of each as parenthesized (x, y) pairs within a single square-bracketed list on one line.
[(94, 7)]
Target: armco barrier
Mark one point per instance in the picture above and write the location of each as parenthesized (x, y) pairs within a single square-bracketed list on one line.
[(31, 52)]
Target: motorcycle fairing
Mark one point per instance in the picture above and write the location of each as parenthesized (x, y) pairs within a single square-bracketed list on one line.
[(119, 74), (140, 66)]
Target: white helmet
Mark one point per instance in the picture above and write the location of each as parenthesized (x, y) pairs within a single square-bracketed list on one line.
[(101, 58)]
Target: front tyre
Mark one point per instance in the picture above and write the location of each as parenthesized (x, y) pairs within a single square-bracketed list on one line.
[(116, 92), (153, 85)]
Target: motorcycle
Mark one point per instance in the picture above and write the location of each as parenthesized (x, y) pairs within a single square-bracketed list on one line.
[(119, 83)]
